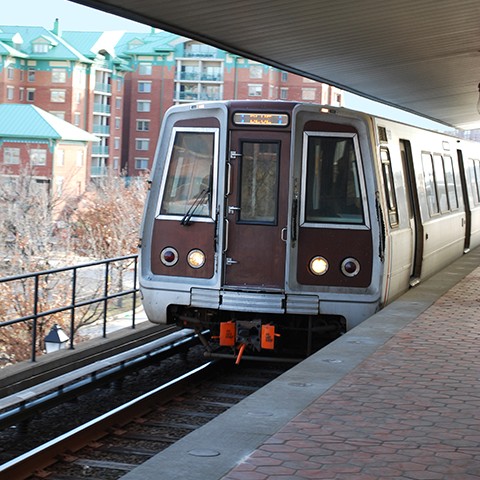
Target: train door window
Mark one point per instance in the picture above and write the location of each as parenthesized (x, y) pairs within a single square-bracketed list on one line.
[(430, 187), (192, 158), (389, 187), (450, 182), (440, 183), (259, 182), (332, 181)]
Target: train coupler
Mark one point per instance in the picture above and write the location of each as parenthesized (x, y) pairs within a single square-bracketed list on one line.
[(247, 333)]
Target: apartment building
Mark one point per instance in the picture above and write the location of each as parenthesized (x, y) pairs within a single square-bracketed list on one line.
[(118, 85)]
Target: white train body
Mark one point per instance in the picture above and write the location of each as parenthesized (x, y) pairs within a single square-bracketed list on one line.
[(266, 219)]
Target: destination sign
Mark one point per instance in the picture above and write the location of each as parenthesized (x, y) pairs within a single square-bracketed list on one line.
[(265, 119)]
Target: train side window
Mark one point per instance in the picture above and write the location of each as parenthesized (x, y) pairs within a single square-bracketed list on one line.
[(389, 187), (259, 182), (451, 183), (440, 183), (331, 180), (476, 180), (430, 187), (192, 157)]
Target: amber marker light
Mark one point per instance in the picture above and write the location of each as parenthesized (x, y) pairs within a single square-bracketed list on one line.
[(318, 265), (196, 258), (169, 256)]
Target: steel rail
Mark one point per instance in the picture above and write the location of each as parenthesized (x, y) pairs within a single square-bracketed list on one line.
[(21, 406), (41, 457)]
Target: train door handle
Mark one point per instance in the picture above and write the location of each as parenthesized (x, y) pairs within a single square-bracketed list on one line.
[(232, 209), (225, 245), (283, 234)]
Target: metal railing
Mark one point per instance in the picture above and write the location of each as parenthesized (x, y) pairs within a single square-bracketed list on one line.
[(81, 295)]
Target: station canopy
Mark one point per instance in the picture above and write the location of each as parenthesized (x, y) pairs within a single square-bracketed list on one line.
[(422, 56)]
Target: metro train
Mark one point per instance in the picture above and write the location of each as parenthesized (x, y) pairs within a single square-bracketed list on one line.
[(278, 225)]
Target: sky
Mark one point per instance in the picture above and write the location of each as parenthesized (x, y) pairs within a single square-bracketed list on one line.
[(73, 16)]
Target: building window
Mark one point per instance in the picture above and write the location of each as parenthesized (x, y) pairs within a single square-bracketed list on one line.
[(40, 47), (308, 94), (10, 73), (38, 156), (142, 143), (143, 125), (119, 84), (143, 105), (116, 143), (11, 156), (283, 93), (144, 87), (60, 115), (145, 68), (57, 96), (118, 123), (21, 94), (79, 159), (284, 77), (76, 119), (10, 93), (30, 95), (141, 163), (60, 157), (255, 90), (31, 74), (118, 103), (256, 71), (59, 75)]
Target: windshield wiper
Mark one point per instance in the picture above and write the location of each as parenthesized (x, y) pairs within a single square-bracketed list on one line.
[(199, 199)]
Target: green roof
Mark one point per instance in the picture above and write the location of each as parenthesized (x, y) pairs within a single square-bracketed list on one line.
[(28, 121), (60, 49)]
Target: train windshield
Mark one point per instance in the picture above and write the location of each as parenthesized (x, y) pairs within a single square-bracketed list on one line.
[(332, 182), (188, 188)]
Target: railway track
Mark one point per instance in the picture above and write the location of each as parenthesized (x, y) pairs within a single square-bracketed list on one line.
[(109, 446)]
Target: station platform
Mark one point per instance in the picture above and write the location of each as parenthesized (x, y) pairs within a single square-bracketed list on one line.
[(397, 397)]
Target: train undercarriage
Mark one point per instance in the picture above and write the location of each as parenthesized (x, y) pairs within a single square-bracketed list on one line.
[(257, 336)]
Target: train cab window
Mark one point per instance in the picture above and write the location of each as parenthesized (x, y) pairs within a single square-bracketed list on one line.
[(389, 187), (192, 158), (430, 186), (259, 182), (332, 181), (474, 174)]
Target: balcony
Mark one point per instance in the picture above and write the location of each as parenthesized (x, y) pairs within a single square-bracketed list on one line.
[(101, 129), (101, 108), (189, 76), (100, 150), (98, 171), (103, 87)]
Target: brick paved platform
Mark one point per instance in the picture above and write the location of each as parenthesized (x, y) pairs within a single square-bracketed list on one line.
[(398, 397), (411, 410)]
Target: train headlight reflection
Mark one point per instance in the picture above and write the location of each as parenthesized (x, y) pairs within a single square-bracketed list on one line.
[(318, 265), (169, 256), (350, 267), (196, 258)]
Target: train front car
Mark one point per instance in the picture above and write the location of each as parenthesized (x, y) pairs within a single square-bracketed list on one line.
[(262, 226)]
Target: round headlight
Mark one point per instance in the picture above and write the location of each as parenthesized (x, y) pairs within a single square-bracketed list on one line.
[(196, 258), (350, 267), (318, 265), (169, 256)]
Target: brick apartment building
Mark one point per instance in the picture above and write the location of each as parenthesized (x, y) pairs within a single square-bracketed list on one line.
[(118, 85)]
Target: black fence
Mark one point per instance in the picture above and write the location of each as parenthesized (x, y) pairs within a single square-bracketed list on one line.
[(72, 297)]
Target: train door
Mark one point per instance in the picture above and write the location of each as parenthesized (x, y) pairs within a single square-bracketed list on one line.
[(256, 210), (413, 211), (466, 201)]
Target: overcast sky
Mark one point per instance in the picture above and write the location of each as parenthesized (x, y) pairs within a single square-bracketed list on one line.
[(72, 16)]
